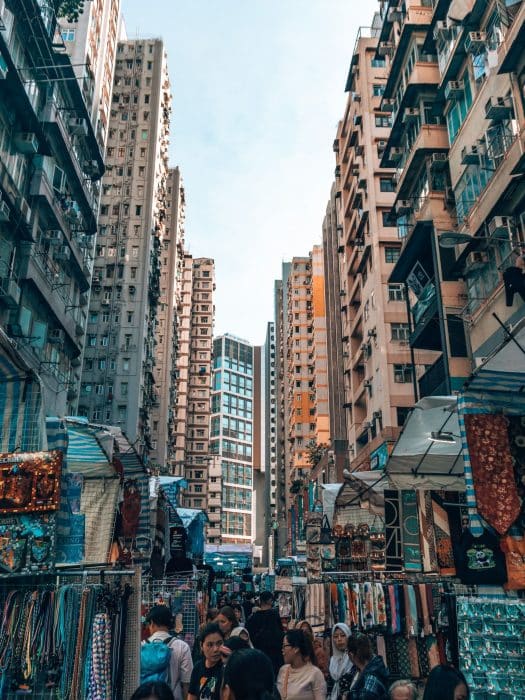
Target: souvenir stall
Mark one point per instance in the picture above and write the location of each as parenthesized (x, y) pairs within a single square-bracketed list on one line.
[(68, 619)]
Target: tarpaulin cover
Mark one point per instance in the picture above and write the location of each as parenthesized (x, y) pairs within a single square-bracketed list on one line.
[(84, 453), (419, 462), (193, 521), (504, 371)]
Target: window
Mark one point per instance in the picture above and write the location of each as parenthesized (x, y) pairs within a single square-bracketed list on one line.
[(146, 99), (388, 220), (123, 389), (68, 35), (396, 292), (125, 364), (138, 210), (144, 134), (378, 90), (383, 121), (386, 184), (400, 331), (392, 254), (378, 63), (402, 374)]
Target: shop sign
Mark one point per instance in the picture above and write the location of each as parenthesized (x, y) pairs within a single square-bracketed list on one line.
[(178, 539), (379, 457)]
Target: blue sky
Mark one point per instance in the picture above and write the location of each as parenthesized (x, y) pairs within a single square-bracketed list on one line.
[(257, 93)]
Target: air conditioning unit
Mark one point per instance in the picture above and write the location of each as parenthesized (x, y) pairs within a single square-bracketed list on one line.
[(9, 292), (387, 104), (385, 48), (25, 210), (78, 126), (54, 236), (26, 142), (471, 155), (356, 97), (90, 167), (395, 154), (438, 161), (79, 330), (403, 206), (476, 260), (63, 252), (346, 355), (4, 210), (55, 335), (76, 362), (359, 150), (342, 292), (367, 425), (410, 115), (362, 183), (500, 227), (475, 42), (454, 89), (498, 108)]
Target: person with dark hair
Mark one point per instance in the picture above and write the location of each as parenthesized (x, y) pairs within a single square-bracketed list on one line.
[(321, 659), (232, 644), (227, 620), (446, 683), (164, 657), (205, 683), (299, 679), (266, 631), (248, 675), (153, 691), (368, 680), (340, 664), (239, 613)]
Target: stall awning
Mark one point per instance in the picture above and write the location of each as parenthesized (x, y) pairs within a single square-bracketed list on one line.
[(504, 370), (170, 486), (364, 490), (330, 492), (190, 515), (84, 452), (427, 454)]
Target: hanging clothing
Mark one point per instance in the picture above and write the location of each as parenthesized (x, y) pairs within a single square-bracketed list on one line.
[(479, 560), (493, 469)]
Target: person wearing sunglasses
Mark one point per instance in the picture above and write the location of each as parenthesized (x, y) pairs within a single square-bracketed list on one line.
[(206, 677)]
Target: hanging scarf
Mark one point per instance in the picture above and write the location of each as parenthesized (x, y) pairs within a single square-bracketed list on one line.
[(339, 662)]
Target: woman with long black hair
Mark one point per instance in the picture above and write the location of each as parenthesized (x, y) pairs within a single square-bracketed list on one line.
[(299, 678), (248, 675)]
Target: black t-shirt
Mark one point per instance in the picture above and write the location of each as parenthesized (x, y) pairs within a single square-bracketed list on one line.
[(205, 683), (479, 560)]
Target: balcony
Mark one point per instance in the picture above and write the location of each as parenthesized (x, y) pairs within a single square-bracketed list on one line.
[(431, 138), (510, 52)]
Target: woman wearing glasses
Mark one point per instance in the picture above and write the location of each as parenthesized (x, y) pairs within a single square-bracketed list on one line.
[(206, 677), (299, 678)]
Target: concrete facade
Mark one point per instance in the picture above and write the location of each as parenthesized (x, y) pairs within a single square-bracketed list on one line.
[(118, 382), (379, 369), (50, 167)]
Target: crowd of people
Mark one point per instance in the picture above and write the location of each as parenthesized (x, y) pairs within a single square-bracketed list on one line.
[(243, 653)]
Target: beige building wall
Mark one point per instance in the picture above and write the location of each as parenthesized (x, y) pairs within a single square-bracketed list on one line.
[(182, 365), (377, 361), (197, 448), (320, 357)]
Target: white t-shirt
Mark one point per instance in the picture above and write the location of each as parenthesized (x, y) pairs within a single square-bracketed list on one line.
[(181, 663)]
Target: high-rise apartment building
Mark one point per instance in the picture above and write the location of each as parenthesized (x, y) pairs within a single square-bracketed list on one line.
[(91, 42), (167, 329), (377, 361), (334, 300), (269, 397), (118, 381), (182, 362), (50, 164), (281, 394), (303, 419), (197, 450), (457, 107), (231, 434)]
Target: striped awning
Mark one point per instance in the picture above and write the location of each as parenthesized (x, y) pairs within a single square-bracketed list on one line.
[(22, 421), (504, 370), (84, 453)]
